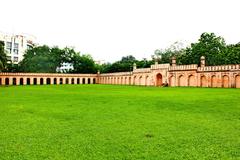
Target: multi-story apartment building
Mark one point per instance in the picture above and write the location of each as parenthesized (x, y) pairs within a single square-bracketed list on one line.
[(16, 45), (65, 67)]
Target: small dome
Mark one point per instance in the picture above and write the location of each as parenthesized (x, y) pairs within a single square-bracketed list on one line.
[(202, 57)]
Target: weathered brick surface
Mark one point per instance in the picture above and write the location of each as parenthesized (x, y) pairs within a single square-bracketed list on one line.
[(226, 76)]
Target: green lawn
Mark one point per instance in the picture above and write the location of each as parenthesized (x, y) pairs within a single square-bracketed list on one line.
[(118, 122)]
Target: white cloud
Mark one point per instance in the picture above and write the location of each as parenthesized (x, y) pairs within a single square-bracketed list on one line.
[(110, 29)]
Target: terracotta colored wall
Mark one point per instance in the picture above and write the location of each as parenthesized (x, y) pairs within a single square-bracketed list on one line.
[(227, 76), (41, 79), (184, 75)]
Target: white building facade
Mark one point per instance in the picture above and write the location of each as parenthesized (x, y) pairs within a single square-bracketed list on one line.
[(16, 45), (64, 68)]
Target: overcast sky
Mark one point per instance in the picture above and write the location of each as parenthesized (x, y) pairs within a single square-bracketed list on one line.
[(110, 29)]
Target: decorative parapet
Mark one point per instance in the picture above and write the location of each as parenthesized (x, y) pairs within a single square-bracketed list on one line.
[(184, 67), (160, 66), (219, 68), (116, 74), (47, 74), (142, 70)]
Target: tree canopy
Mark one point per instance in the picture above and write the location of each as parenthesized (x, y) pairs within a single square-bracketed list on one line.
[(83, 64), (3, 56), (125, 64), (213, 47), (41, 59), (209, 45), (47, 59)]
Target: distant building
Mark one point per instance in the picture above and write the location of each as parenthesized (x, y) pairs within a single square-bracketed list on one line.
[(65, 67), (99, 62), (16, 45)]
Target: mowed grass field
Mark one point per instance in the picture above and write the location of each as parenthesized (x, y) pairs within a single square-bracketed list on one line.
[(118, 122)]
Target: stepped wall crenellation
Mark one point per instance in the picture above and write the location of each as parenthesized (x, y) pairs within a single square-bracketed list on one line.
[(142, 70), (183, 67), (160, 66), (219, 68), (116, 74), (46, 74)]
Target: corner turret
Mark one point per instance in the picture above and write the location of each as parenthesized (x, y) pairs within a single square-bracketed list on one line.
[(202, 61)]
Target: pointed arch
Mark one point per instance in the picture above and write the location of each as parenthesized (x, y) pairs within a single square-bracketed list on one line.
[(35, 81), (140, 81), (28, 81), (55, 81), (125, 80), (237, 81), (88, 81), (14, 81), (66, 81), (72, 81), (147, 81), (60, 81), (134, 80), (172, 81), (214, 82), (21, 81), (181, 81), (41, 81), (158, 79), (203, 81), (83, 81), (48, 81), (225, 81), (191, 81), (6, 81)]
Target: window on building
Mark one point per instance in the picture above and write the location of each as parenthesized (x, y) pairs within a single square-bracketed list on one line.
[(9, 45), (29, 46), (15, 45), (9, 58), (15, 59), (9, 51), (15, 51)]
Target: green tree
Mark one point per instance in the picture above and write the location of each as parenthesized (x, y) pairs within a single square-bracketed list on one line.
[(11, 67), (3, 56), (177, 49), (232, 54), (124, 65), (45, 59), (83, 64), (144, 63), (210, 46), (38, 59)]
